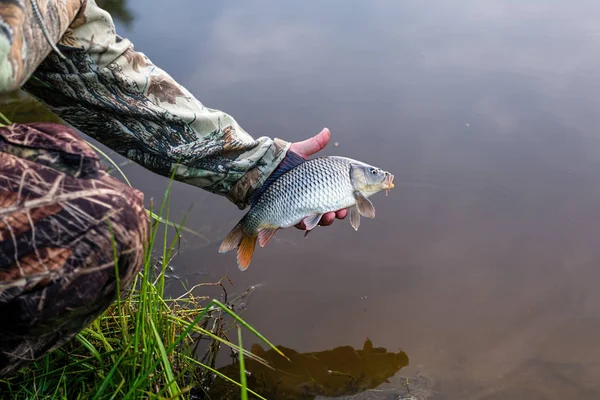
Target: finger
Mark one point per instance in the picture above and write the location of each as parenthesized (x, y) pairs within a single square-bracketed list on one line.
[(310, 146), (327, 219), (341, 214)]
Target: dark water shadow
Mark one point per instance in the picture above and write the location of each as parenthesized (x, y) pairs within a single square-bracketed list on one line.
[(342, 371), (19, 107)]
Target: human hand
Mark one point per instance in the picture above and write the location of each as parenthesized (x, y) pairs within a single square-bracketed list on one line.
[(307, 148)]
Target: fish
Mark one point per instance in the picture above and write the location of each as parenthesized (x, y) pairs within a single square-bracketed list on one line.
[(303, 190)]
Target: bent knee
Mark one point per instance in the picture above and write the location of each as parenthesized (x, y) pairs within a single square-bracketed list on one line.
[(85, 210)]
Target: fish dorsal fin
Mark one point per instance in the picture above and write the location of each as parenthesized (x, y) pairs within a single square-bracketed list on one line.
[(365, 207), (291, 160)]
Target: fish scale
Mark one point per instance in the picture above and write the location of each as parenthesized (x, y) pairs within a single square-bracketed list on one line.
[(303, 193)]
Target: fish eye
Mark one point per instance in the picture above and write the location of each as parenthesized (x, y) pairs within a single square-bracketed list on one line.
[(374, 171)]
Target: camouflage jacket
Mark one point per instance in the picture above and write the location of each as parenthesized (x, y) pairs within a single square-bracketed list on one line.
[(116, 95)]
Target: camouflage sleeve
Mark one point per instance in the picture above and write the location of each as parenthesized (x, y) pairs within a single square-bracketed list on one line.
[(116, 95)]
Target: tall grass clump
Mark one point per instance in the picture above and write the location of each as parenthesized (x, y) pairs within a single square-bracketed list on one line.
[(147, 344)]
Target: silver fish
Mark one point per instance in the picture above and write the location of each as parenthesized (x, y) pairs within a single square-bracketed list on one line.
[(304, 191)]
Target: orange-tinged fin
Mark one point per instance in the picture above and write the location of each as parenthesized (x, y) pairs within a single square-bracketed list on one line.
[(245, 251), (232, 240), (265, 234)]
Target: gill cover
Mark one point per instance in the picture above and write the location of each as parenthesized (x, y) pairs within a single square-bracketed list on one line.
[(367, 179)]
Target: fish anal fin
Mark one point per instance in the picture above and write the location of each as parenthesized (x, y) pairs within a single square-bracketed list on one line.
[(365, 207), (232, 240), (311, 221), (266, 234), (245, 251), (354, 217)]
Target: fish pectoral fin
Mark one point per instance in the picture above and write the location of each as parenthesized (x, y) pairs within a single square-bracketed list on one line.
[(365, 207), (354, 217), (311, 221), (265, 234)]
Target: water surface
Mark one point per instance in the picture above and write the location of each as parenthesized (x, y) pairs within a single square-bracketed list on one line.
[(482, 265)]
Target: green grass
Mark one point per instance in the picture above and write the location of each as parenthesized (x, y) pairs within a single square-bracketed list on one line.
[(146, 345)]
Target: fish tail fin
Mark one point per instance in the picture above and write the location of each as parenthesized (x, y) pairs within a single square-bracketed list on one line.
[(233, 239), (244, 243), (245, 251)]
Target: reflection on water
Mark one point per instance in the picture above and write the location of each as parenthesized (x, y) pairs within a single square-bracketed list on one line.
[(483, 263), (19, 107), (343, 371)]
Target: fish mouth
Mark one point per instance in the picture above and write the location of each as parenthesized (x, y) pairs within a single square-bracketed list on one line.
[(390, 181)]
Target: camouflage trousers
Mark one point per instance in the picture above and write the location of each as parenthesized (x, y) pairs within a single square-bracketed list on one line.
[(62, 220)]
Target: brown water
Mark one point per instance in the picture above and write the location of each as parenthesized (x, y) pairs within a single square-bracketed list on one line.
[(484, 262)]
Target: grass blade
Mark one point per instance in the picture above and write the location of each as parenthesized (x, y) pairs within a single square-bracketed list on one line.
[(89, 346), (173, 387), (110, 160), (178, 227), (249, 327), (108, 379), (222, 376), (3, 118), (243, 384)]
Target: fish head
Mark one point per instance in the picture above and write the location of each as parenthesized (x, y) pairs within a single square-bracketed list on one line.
[(370, 180)]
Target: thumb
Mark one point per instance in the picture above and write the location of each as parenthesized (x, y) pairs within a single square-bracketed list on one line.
[(310, 146)]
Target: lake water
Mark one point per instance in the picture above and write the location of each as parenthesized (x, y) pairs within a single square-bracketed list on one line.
[(483, 263)]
